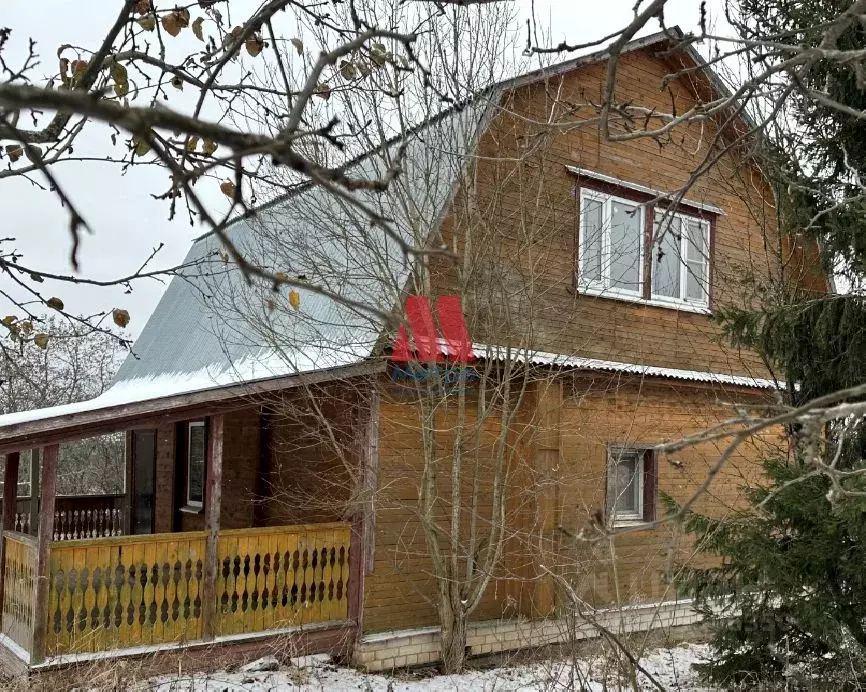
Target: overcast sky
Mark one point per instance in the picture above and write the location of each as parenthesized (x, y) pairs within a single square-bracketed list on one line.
[(127, 223)]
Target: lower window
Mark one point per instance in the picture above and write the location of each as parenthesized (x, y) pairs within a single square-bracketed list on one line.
[(631, 484)]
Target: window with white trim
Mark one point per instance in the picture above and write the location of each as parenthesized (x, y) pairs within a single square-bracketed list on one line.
[(196, 451), (630, 484), (614, 242), (611, 249), (681, 258)]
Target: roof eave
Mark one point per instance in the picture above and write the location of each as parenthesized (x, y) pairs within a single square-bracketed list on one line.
[(77, 426)]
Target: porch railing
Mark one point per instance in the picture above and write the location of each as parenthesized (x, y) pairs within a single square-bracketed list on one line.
[(77, 516), (125, 591), (19, 570)]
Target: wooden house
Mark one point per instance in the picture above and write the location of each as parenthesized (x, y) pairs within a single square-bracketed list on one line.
[(276, 456)]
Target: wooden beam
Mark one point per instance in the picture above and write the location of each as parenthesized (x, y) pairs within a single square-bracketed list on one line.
[(35, 482), (43, 552), (371, 478), (213, 497), (10, 503)]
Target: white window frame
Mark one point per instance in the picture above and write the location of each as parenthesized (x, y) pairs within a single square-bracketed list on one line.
[(602, 287), (195, 424), (614, 455), (683, 300)]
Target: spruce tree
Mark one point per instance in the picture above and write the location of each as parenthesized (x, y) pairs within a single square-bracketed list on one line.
[(790, 574)]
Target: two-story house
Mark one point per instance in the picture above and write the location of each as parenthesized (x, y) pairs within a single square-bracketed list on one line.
[(287, 478)]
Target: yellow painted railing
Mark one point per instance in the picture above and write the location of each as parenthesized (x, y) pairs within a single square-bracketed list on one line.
[(122, 591), (125, 591), (19, 570), (282, 576)]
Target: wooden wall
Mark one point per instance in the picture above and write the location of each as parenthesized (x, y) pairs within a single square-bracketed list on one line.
[(603, 409), (518, 208), (514, 223), (557, 481), (288, 472), (309, 479)]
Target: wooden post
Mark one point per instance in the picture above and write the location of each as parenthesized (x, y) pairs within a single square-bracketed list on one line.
[(363, 543), (213, 493), (33, 507), (10, 504), (43, 551)]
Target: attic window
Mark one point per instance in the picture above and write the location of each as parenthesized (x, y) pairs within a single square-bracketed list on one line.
[(621, 255), (611, 253), (680, 263)]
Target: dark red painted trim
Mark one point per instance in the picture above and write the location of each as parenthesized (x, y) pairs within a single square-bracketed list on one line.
[(650, 484)]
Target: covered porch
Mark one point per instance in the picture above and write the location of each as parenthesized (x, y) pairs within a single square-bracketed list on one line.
[(123, 592), (206, 546)]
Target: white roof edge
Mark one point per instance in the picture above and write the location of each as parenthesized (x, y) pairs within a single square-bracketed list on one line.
[(594, 175), (581, 363)]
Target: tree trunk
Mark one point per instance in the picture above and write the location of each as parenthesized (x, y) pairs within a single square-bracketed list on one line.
[(452, 638)]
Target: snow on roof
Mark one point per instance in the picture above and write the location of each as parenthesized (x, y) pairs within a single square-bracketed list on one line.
[(262, 367)]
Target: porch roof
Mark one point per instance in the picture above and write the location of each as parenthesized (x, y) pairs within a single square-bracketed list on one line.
[(141, 402)]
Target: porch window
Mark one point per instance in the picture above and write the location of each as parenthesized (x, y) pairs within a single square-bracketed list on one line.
[(196, 449), (611, 244), (630, 485)]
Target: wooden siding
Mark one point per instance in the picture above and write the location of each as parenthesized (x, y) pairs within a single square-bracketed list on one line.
[(557, 484), (314, 458), (597, 411), (514, 219), (519, 283)]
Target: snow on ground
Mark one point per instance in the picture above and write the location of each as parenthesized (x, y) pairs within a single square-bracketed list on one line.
[(672, 668)]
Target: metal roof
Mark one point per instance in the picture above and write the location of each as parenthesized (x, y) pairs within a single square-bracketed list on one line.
[(212, 323)]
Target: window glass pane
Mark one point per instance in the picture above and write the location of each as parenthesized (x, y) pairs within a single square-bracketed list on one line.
[(625, 238), (697, 262), (666, 257), (592, 230), (195, 468), (697, 250), (627, 484)]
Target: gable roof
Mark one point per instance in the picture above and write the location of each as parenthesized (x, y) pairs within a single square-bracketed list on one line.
[(213, 329)]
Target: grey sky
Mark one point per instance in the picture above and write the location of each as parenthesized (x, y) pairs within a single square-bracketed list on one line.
[(127, 222)]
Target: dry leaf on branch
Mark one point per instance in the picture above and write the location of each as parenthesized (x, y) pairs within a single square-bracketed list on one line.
[(227, 187), (120, 317), (197, 28)]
